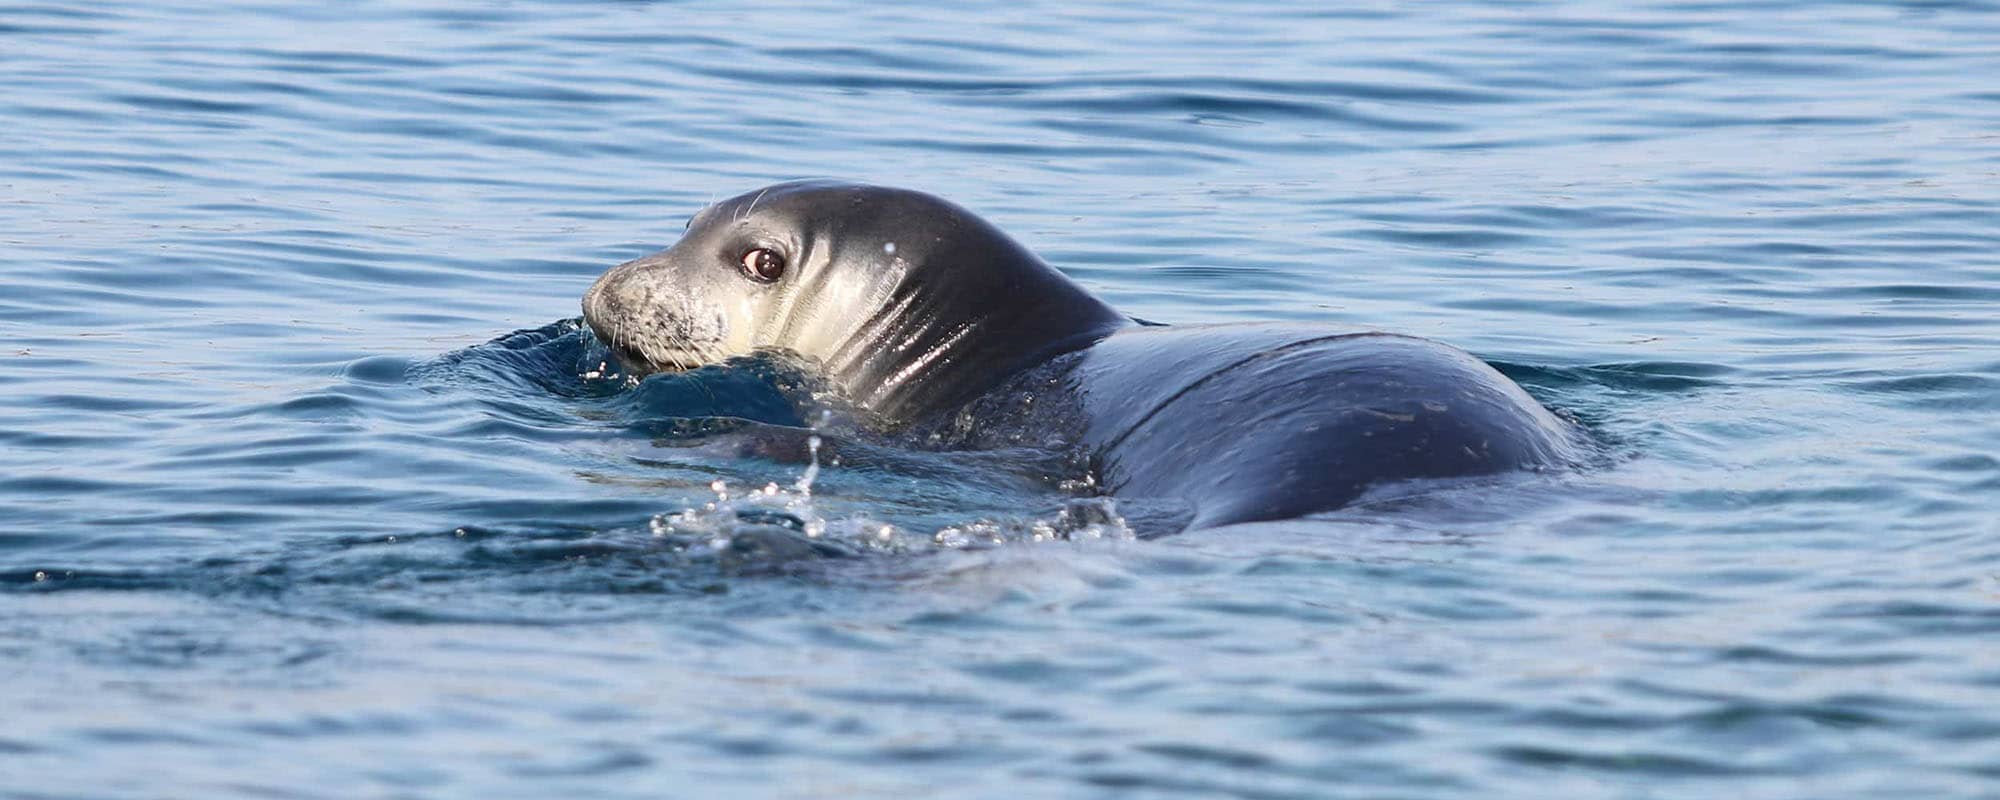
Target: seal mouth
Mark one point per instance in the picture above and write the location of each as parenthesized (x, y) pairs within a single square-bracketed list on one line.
[(638, 362), (648, 342), (649, 358), (641, 357), (657, 362)]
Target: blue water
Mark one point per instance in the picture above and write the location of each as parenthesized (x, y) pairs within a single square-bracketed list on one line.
[(308, 487)]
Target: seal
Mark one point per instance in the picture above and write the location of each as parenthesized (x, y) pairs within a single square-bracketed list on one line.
[(929, 318)]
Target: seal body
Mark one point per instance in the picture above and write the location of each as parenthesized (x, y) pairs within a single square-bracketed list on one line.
[(1254, 422), (928, 318)]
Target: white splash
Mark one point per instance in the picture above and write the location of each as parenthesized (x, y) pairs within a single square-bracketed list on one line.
[(1088, 519), (775, 524), (805, 484)]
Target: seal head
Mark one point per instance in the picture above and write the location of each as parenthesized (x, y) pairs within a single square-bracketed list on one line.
[(908, 302)]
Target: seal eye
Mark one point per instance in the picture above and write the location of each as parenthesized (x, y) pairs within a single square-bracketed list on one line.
[(763, 265)]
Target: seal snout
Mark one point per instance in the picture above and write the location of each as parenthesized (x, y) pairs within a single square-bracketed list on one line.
[(650, 321), (602, 309), (610, 317)]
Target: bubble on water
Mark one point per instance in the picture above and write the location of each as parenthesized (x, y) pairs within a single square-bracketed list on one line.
[(1087, 484)]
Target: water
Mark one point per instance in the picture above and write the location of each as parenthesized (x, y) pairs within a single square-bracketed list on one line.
[(307, 489)]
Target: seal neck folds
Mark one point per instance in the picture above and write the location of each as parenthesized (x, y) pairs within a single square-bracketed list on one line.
[(963, 314)]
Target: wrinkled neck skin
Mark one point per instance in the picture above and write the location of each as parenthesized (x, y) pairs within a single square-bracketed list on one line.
[(942, 332)]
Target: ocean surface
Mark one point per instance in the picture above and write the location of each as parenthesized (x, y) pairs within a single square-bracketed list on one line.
[(311, 486)]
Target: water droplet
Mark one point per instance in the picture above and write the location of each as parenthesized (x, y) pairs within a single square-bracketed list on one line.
[(805, 484)]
